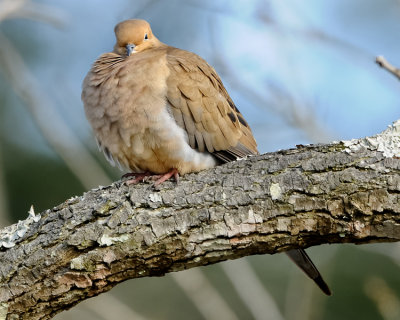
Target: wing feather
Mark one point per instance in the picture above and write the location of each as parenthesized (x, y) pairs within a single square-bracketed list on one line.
[(201, 106)]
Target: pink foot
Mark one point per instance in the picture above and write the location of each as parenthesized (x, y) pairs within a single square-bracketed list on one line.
[(158, 178), (141, 176), (166, 176)]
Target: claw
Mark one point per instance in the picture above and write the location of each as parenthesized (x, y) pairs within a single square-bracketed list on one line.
[(173, 172), (158, 178), (138, 177)]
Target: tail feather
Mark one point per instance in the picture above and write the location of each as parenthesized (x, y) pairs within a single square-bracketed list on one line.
[(303, 261)]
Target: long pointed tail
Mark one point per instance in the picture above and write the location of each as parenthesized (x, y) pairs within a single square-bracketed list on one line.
[(303, 261)]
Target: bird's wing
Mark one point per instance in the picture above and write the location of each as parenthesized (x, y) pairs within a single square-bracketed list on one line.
[(200, 105)]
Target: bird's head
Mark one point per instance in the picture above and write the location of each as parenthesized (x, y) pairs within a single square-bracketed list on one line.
[(133, 36)]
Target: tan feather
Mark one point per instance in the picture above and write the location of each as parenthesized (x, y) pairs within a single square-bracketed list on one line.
[(209, 103), (125, 96)]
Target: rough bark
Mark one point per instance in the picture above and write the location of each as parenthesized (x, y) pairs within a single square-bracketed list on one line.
[(334, 193)]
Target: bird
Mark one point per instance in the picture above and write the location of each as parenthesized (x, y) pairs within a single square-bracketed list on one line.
[(162, 111)]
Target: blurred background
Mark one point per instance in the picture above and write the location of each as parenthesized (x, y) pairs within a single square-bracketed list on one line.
[(300, 72)]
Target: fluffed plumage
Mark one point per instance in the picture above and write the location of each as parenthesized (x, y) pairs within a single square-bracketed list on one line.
[(159, 109)]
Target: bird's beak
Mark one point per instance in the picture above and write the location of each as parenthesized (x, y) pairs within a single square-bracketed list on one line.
[(130, 48)]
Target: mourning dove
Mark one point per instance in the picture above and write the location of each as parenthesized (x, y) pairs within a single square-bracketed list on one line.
[(156, 109)]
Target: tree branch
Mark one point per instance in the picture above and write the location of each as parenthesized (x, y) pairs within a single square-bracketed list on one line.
[(383, 63), (346, 191)]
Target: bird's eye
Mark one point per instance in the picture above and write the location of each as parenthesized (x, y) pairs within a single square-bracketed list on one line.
[(145, 36)]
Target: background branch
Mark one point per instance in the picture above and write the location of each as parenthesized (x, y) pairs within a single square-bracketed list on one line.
[(382, 62)]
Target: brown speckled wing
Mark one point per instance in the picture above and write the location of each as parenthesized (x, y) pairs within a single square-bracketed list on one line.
[(201, 105)]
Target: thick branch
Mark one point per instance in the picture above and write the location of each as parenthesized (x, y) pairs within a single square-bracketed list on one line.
[(334, 193)]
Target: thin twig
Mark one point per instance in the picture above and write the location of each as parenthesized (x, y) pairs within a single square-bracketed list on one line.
[(383, 63), (4, 213), (204, 296), (10, 9), (249, 287), (281, 103), (106, 306), (61, 138), (383, 296)]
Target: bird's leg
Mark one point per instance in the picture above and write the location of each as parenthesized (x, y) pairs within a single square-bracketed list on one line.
[(173, 172), (158, 178), (141, 176)]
